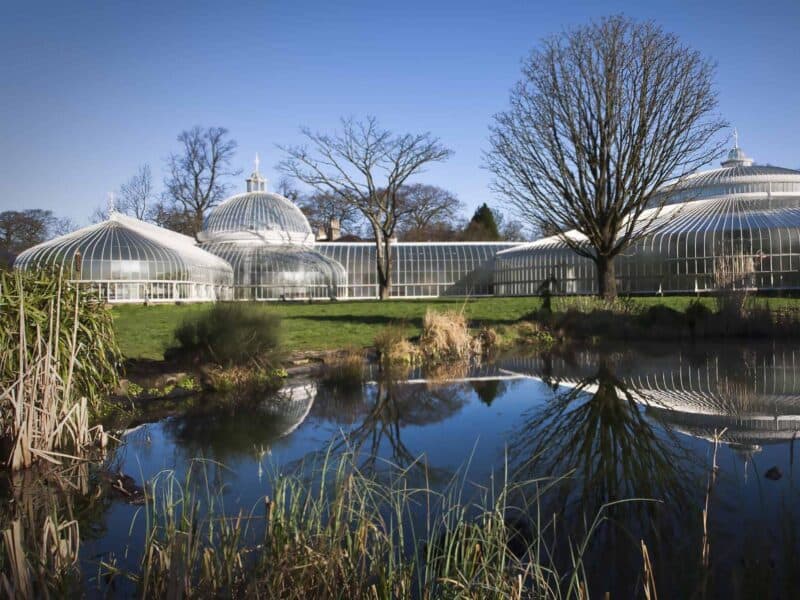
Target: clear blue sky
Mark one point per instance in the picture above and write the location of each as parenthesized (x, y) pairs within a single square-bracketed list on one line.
[(92, 90)]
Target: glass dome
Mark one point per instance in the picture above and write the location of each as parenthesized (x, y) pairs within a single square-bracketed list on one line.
[(126, 260), (271, 272), (257, 215)]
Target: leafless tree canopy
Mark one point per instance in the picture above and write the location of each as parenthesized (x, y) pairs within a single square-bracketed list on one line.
[(136, 194), (603, 116), (320, 208), (428, 212), (196, 180), (365, 166)]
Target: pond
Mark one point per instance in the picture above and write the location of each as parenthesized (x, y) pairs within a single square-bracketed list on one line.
[(644, 425)]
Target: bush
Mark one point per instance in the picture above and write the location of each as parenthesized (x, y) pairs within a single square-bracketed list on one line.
[(393, 347), (229, 334)]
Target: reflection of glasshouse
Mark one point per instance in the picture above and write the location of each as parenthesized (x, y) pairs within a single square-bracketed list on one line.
[(126, 260), (268, 242), (735, 226)]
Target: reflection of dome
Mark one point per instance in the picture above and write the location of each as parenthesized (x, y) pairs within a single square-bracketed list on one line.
[(126, 259), (757, 401), (268, 242)]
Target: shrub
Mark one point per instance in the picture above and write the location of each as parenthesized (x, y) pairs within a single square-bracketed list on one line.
[(445, 336), (229, 334)]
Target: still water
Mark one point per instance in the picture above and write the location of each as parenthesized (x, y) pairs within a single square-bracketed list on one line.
[(617, 424)]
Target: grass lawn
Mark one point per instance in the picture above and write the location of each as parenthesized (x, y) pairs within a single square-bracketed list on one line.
[(146, 331)]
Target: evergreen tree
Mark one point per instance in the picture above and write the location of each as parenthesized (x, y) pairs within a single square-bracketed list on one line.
[(482, 226)]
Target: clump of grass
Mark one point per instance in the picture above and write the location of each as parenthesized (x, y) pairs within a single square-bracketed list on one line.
[(445, 337), (394, 347), (345, 371), (228, 335)]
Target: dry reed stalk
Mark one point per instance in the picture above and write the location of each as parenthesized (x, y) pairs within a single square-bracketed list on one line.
[(43, 417), (712, 478), (648, 577), (445, 336)]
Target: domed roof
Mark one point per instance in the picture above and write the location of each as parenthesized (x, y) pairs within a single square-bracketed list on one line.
[(737, 176), (257, 215), (126, 248)]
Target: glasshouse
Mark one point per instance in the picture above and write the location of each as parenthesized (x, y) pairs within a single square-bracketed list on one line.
[(419, 269), (124, 259), (735, 226), (268, 242)]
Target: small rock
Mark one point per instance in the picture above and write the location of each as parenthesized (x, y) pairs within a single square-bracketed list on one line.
[(773, 474)]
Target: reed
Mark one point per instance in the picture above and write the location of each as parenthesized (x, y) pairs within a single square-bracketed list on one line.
[(334, 531), (43, 416), (345, 371)]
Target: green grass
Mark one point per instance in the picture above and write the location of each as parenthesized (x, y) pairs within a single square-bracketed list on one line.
[(146, 331)]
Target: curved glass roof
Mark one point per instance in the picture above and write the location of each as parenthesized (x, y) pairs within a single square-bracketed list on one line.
[(124, 248), (258, 215), (270, 271)]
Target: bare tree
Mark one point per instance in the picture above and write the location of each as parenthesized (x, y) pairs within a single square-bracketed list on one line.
[(321, 208), (365, 166), (196, 180), (428, 212), (135, 198), (136, 194), (604, 115)]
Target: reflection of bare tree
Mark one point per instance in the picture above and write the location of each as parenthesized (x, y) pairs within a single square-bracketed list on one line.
[(597, 433), (392, 406)]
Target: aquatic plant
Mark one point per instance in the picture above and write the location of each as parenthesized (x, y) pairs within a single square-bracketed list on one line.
[(43, 307), (333, 531), (43, 416), (445, 336), (345, 370), (394, 347)]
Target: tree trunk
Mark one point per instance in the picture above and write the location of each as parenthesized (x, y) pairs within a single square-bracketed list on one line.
[(606, 279), (384, 256)]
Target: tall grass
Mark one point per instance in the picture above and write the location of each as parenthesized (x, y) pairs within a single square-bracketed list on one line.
[(43, 414), (336, 531)]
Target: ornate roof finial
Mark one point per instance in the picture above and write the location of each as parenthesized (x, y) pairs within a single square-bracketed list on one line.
[(112, 204), (256, 183), (736, 156)]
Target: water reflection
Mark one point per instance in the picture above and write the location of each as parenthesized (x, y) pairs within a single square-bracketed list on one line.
[(227, 431), (638, 424)]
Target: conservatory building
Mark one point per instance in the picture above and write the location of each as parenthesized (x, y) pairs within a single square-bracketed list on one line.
[(269, 244), (738, 225), (123, 259)]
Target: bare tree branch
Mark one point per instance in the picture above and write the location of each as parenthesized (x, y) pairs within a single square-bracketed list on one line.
[(364, 167), (603, 117)]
